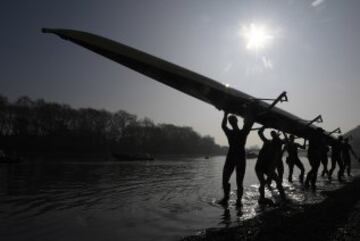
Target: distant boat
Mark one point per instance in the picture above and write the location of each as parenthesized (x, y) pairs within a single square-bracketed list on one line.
[(133, 157)]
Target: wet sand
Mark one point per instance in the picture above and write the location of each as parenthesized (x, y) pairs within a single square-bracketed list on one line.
[(335, 218)]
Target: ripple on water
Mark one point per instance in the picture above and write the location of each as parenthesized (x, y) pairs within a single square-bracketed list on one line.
[(160, 200)]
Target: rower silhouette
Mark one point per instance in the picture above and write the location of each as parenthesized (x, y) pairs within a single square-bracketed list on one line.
[(324, 149), (235, 158), (336, 158), (267, 163), (346, 150), (293, 159), (316, 141)]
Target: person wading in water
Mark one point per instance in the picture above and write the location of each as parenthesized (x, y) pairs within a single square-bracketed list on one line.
[(324, 159), (293, 159), (336, 157), (346, 149), (235, 159), (267, 162), (316, 142)]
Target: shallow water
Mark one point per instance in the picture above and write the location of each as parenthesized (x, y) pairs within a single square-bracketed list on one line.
[(157, 200)]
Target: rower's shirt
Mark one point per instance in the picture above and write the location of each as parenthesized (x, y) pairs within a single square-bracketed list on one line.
[(315, 145), (336, 148), (236, 139), (346, 147), (277, 143), (292, 149)]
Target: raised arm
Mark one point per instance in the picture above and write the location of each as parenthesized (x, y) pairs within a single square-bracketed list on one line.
[(261, 134), (248, 124), (286, 139), (285, 136), (303, 145), (224, 122)]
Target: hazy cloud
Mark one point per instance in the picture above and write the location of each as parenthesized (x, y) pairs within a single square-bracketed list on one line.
[(205, 18), (317, 3), (228, 67), (267, 63)]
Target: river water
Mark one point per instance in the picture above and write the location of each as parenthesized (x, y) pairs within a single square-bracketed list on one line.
[(157, 200)]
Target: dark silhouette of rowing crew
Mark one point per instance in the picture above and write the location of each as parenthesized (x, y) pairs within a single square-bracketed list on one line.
[(269, 166)]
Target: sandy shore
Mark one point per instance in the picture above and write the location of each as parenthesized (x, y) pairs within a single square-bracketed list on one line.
[(336, 218)]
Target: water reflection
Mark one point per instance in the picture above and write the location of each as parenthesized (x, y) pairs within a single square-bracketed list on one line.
[(160, 200)]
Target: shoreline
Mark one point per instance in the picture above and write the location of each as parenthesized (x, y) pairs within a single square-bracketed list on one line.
[(335, 218), (106, 157)]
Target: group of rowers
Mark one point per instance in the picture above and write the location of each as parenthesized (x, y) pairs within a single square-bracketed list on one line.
[(269, 165)]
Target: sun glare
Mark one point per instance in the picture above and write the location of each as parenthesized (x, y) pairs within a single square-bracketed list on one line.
[(256, 36)]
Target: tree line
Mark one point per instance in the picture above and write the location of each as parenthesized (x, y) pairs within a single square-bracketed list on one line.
[(34, 127)]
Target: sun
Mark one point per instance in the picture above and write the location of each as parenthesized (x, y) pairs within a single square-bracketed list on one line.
[(256, 36)]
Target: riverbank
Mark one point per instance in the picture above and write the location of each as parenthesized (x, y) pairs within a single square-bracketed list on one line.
[(336, 218), (101, 156)]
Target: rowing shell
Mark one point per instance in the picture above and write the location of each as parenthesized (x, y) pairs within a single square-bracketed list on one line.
[(189, 82)]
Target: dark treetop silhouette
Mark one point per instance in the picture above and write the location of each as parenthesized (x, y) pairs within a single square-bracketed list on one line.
[(36, 127)]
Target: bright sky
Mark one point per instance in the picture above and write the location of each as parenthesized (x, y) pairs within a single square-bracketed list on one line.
[(308, 48)]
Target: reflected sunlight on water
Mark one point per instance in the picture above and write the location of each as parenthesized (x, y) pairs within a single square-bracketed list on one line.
[(158, 200)]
